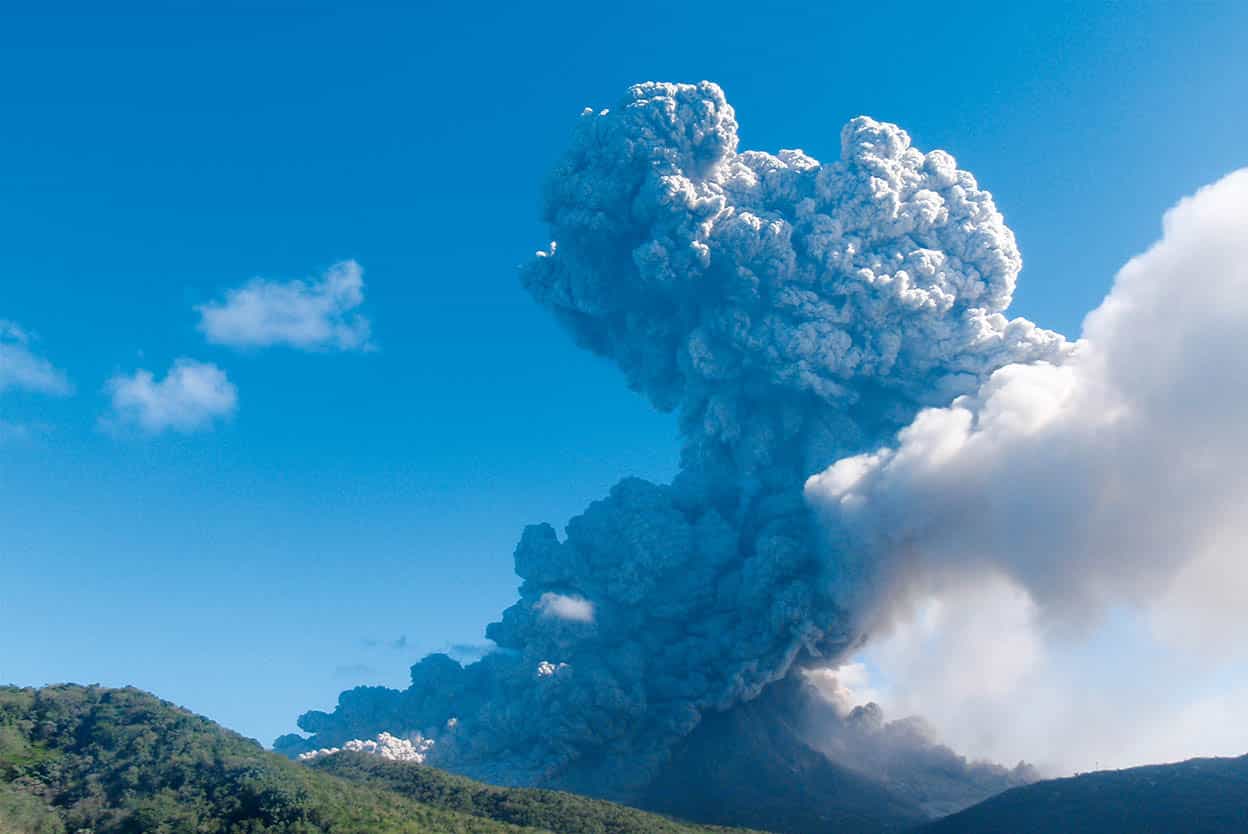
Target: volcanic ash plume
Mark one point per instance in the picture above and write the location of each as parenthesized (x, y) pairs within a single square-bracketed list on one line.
[(791, 313)]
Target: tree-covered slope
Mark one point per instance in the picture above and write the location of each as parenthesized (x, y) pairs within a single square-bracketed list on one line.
[(566, 813), (1199, 796), (91, 760)]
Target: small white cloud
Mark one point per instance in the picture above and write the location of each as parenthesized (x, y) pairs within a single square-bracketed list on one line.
[(22, 369), (190, 397), (14, 432), (574, 609), (315, 315)]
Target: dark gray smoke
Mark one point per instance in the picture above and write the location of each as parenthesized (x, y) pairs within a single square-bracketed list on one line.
[(903, 754), (791, 313)]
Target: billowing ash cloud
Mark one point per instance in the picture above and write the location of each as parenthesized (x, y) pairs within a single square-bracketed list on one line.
[(790, 312), (1111, 479), (903, 754)]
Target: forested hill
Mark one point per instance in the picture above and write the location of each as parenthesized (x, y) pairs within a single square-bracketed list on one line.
[(91, 760), (566, 813), (1199, 796)]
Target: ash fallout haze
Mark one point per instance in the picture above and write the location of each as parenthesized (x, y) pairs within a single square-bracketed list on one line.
[(436, 383)]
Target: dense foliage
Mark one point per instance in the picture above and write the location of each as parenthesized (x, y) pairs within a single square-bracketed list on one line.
[(90, 760), (1199, 796), (566, 813)]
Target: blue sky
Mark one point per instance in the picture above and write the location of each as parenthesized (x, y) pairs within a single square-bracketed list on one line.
[(358, 508)]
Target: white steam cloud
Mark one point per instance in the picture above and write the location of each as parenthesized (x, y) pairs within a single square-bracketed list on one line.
[(1104, 488), (191, 397), (316, 315), (415, 748)]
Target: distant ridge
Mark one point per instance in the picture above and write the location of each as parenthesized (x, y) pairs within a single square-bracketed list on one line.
[(1198, 796)]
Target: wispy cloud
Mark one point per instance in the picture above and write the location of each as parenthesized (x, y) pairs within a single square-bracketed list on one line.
[(307, 315), (469, 652), (22, 369), (354, 670), (11, 432), (190, 397)]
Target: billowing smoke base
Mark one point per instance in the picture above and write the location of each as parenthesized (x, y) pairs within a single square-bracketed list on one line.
[(385, 746), (791, 313)]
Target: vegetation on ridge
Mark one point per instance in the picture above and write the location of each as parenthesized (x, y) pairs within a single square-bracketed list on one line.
[(1198, 796), (91, 760), (566, 813)]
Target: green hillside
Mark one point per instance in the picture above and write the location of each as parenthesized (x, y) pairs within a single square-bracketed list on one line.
[(91, 760), (566, 813), (1199, 796)]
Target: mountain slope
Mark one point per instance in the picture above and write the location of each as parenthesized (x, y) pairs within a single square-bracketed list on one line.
[(1199, 796), (566, 813), (120, 761), (749, 766)]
